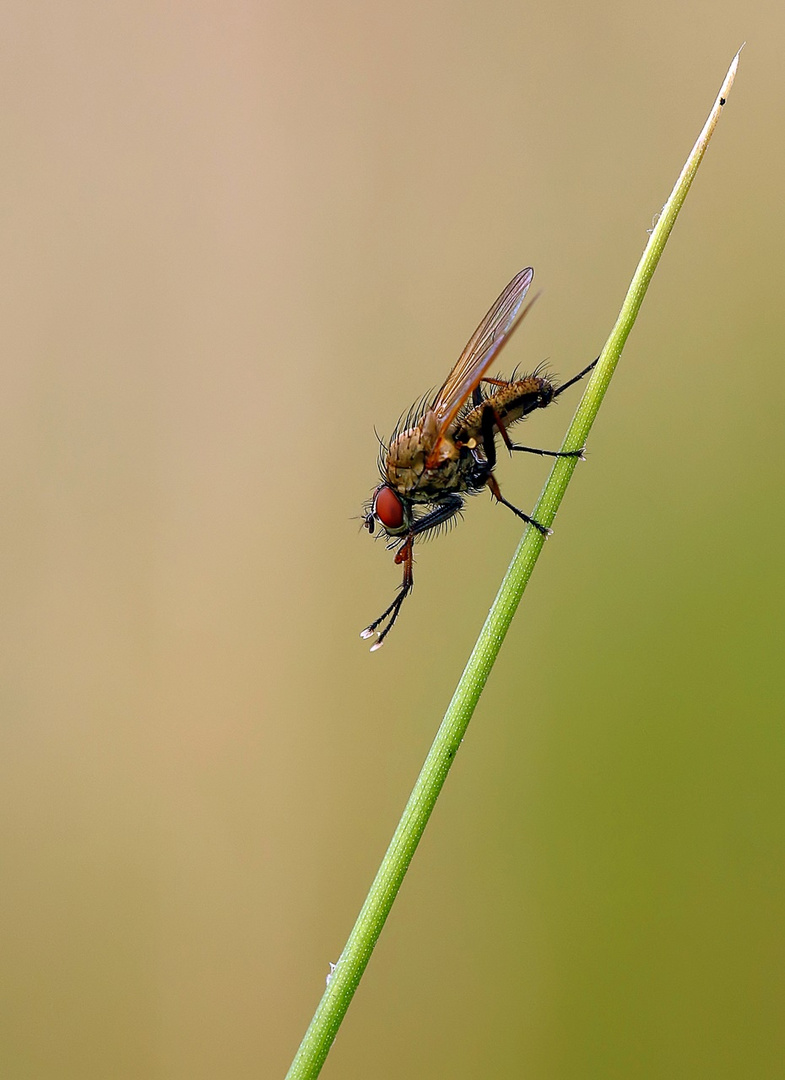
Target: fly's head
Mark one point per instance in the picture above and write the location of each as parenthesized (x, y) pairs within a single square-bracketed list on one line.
[(389, 510), (401, 464)]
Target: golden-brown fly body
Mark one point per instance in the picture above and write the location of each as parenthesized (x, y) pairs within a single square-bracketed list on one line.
[(447, 448)]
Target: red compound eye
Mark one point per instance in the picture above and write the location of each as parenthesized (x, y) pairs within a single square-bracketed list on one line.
[(388, 508)]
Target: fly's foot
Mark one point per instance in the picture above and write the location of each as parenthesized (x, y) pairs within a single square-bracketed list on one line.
[(542, 529), (369, 633)]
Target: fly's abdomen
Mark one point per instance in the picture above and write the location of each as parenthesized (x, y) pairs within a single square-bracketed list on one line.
[(511, 402)]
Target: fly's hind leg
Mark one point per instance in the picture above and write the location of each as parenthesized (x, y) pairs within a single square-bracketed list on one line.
[(549, 453), (491, 420)]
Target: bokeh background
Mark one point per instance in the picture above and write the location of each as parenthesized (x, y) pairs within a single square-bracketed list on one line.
[(236, 237)]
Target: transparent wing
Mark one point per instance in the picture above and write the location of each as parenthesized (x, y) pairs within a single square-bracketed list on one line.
[(482, 349)]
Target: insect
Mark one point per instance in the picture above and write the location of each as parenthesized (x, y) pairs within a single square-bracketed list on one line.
[(446, 450)]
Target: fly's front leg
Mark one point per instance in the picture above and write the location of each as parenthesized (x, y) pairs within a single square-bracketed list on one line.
[(403, 555), (443, 511), (440, 513)]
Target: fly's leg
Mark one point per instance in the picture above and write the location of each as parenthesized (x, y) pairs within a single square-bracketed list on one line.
[(556, 453), (535, 404), (490, 419), (403, 555), (576, 378), (549, 453), (491, 422), (440, 513), (495, 491)]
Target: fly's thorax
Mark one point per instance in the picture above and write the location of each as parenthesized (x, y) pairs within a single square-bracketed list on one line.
[(407, 469)]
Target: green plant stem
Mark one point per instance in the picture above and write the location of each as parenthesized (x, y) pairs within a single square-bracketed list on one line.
[(354, 958)]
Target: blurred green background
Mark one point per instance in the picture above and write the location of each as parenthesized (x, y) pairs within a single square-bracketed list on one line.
[(236, 237)]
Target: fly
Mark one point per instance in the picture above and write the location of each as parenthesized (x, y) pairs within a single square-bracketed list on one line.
[(447, 449)]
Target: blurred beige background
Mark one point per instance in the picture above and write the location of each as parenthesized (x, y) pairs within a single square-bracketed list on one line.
[(236, 237)]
